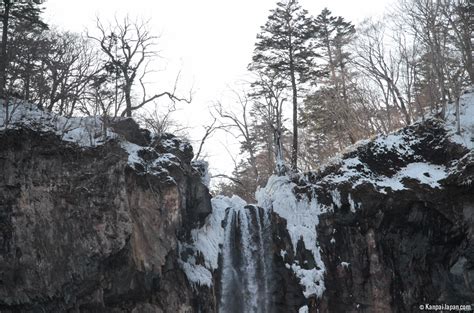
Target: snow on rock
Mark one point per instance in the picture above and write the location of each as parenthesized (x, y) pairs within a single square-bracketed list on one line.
[(83, 131), (89, 132), (418, 154), (398, 142), (352, 203), (304, 309), (207, 241), (425, 173), (302, 217), (156, 165), (197, 274), (336, 198), (355, 171), (132, 150), (401, 153), (203, 168)]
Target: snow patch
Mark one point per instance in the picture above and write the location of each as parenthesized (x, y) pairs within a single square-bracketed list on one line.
[(397, 142), (207, 241), (197, 274), (352, 204), (466, 109), (302, 216), (83, 131), (336, 197), (354, 171), (304, 309)]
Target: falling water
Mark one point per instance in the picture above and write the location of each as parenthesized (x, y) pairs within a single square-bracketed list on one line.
[(246, 262)]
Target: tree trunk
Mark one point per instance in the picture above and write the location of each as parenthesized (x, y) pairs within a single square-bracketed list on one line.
[(397, 96), (468, 59), (4, 46), (279, 162), (294, 150), (128, 102), (458, 116)]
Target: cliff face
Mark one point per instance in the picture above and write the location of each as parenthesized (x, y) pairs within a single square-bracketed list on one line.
[(394, 249), (395, 228), (95, 220), (96, 229)]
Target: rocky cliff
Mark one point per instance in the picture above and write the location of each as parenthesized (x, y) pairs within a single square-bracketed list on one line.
[(112, 220), (93, 225), (395, 226)]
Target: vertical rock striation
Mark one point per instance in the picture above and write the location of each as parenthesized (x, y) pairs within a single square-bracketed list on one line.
[(86, 230)]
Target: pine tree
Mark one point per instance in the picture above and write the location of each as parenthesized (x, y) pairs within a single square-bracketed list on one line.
[(285, 47), (15, 11), (329, 110)]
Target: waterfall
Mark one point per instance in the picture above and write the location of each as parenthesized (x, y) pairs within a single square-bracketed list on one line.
[(246, 261)]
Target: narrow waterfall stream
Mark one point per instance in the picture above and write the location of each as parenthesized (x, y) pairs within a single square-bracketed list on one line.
[(246, 262)]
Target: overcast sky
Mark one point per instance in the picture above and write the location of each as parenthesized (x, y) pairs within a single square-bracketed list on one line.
[(209, 41)]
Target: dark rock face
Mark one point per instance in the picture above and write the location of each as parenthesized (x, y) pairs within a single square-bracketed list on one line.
[(131, 131), (400, 248), (81, 231), (401, 254), (288, 296)]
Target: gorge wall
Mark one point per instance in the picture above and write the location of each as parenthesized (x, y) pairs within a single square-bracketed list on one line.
[(395, 229), (85, 229), (95, 220)]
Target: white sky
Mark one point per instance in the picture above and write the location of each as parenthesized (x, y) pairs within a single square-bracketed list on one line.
[(210, 41)]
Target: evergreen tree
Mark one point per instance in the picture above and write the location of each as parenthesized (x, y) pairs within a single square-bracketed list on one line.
[(329, 113), (333, 35), (285, 47), (14, 12)]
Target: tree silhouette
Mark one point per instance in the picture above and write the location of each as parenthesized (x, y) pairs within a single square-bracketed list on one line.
[(286, 46)]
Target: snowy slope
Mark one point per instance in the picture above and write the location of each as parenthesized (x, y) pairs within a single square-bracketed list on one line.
[(410, 153), (466, 137)]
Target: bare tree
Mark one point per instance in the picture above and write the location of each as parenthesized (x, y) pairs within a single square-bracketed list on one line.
[(69, 66), (459, 15), (129, 48), (426, 20), (269, 95), (380, 64), (242, 122), (208, 131)]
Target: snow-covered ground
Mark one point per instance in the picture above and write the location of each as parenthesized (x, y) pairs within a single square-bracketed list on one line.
[(466, 137)]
